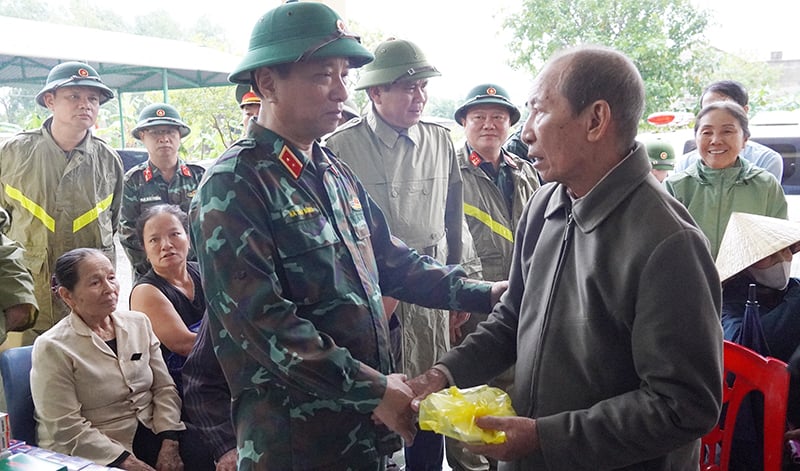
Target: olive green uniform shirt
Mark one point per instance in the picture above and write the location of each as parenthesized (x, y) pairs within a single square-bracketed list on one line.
[(415, 179)]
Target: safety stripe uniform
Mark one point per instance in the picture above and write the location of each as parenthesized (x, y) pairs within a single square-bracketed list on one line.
[(491, 222), (58, 201)]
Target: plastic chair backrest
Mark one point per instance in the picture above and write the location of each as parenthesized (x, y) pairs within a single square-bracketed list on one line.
[(751, 372), (15, 368)]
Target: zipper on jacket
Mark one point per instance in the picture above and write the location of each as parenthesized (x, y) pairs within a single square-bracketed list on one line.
[(556, 277)]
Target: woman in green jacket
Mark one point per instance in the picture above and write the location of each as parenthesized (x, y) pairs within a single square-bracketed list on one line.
[(721, 182)]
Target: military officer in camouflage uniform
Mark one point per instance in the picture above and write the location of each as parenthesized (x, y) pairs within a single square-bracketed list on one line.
[(61, 185), (295, 256), (17, 299), (409, 166), (163, 179)]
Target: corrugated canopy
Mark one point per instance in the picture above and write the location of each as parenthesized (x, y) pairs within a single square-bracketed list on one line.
[(126, 62)]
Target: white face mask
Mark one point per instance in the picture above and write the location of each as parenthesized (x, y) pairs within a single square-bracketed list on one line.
[(775, 277)]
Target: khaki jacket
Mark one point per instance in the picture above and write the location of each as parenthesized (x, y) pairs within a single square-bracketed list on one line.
[(57, 204), (90, 400), (491, 224)]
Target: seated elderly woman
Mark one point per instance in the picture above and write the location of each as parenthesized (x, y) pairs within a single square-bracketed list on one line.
[(758, 250), (721, 182), (100, 387), (170, 293)]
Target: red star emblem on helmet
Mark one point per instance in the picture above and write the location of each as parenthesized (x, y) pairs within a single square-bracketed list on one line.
[(83, 72), (160, 113), (491, 91)]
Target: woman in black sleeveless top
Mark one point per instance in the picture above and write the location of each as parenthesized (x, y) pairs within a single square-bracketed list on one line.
[(171, 293)]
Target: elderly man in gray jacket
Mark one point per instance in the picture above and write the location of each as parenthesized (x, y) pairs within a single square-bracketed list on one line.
[(612, 311)]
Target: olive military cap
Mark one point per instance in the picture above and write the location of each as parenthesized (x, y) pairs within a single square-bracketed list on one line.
[(662, 155), (487, 94), (296, 32), (160, 114), (74, 74), (396, 59)]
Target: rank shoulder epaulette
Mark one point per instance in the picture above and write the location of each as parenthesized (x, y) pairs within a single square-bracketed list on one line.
[(245, 143), (429, 122), (349, 124)]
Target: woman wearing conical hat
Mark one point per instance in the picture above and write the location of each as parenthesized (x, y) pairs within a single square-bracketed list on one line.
[(758, 249)]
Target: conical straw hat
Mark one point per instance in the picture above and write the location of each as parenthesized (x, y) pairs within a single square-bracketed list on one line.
[(749, 238)]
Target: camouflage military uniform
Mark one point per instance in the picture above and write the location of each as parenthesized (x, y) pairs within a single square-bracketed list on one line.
[(291, 253), (146, 187)]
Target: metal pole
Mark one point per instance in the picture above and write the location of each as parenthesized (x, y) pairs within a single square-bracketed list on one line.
[(121, 120), (165, 85)]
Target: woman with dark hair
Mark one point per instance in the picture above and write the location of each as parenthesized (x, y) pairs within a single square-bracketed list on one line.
[(722, 182), (99, 384), (170, 293)]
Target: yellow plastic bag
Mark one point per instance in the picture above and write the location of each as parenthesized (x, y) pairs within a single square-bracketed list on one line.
[(452, 412)]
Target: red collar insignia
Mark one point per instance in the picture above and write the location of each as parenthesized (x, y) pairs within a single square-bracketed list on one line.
[(291, 162), (475, 159), (148, 174), (185, 171)]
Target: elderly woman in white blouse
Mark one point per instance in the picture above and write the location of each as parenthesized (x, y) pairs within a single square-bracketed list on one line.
[(100, 386)]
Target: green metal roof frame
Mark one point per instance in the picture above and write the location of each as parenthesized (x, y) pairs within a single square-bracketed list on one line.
[(126, 62)]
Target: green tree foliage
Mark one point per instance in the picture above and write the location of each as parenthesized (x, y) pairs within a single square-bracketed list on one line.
[(158, 24), (665, 38), (25, 9)]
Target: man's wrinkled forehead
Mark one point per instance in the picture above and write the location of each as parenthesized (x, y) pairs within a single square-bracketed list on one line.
[(547, 84)]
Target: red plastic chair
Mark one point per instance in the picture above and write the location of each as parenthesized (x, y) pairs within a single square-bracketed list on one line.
[(752, 372)]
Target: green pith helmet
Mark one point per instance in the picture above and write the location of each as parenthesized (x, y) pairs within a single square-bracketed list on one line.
[(159, 114), (396, 59), (296, 32), (74, 74), (661, 154), (487, 94)]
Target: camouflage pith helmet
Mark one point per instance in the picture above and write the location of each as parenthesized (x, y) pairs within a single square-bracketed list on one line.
[(661, 154), (74, 74), (160, 114), (245, 96), (296, 32), (487, 94), (396, 59)]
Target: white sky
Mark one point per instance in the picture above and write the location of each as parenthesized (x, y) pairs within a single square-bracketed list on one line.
[(456, 35)]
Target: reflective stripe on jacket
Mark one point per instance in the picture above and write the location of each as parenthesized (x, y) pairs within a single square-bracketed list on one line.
[(59, 201)]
